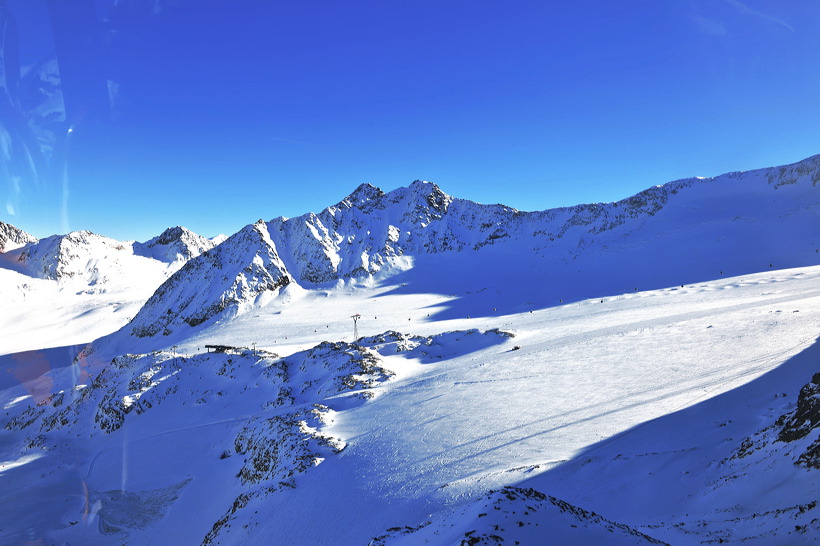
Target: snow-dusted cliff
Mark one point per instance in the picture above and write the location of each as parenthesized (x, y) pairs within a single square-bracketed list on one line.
[(235, 273), (12, 237)]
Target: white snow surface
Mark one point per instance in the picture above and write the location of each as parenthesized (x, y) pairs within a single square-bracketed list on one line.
[(81, 286), (611, 373)]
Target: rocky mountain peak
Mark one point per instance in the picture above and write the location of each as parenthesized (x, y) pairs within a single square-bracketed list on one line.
[(175, 244), (81, 254), (173, 234), (365, 192), (423, 186), (429, 195), (13, 237), (229, 276)]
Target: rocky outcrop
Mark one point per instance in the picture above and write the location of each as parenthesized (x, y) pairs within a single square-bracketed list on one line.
[(798, 429), (515, 515), (806, 416), (804, 421), (175, 244), (275, 447), (13, 237)]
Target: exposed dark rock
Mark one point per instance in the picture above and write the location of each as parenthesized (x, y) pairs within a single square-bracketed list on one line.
[(500, 513), (806, 416), (12, 235)]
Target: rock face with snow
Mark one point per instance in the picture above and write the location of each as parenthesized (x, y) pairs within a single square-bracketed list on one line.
[(79, 254), (364, 233), (368, 230), (12, 237), (150, 389), (516, 515), (273, 411), (806, 417), (794, 435), (804, 424), (176, 244), (229, 276), (717, 222), (135, 384), (97, 259)]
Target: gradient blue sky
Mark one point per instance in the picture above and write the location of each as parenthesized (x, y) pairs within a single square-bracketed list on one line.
[(232, 111)]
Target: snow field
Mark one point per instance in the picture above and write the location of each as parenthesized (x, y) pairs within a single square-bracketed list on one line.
[(445, 431)]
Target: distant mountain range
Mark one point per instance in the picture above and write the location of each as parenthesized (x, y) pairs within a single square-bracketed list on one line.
[(680, 232)]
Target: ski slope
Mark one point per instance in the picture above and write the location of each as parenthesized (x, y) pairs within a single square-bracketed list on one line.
[(622, 370), (472, 416)]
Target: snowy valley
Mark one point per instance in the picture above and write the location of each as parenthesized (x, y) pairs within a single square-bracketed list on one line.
[(637, 372)]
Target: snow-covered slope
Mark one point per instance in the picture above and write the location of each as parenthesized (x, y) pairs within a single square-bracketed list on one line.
[(685, 478), (633, 372), (258, 417), (97, 259), (431, 422), (12, 237), (84, 285), (737, 468), (237, 272), (80, 254)]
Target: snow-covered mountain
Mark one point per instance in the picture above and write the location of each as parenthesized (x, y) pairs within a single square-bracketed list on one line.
[(234, 274), (176, 244), (79, 254), (637, 372), (682, 232), (12, 237), (98, 259), (89, 283), (366, 231)]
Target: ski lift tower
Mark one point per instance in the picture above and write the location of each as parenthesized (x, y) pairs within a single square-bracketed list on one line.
[(356, 318)]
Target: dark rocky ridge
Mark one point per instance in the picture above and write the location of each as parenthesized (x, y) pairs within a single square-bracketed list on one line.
[(16, 236), (803, 421)]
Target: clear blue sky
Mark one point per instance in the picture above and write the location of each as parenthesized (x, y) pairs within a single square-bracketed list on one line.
[(230, 111)]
